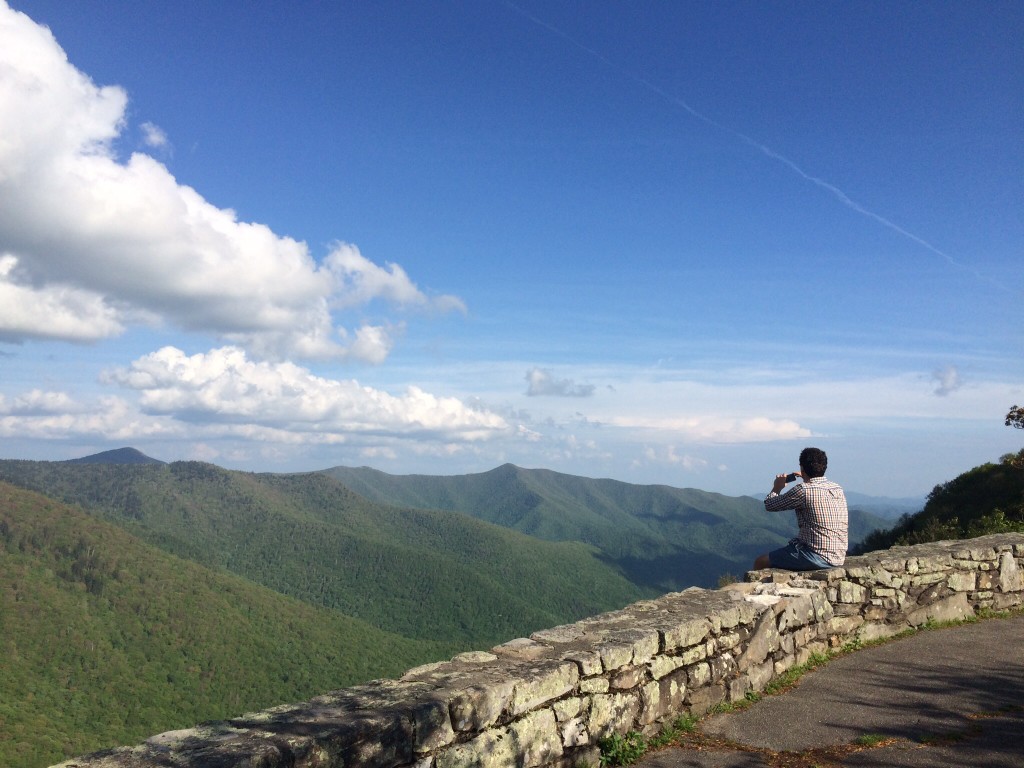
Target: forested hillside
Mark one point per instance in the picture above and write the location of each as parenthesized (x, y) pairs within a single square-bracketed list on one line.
[(662, 538), (421, 573), (106, 640), (986, 499)]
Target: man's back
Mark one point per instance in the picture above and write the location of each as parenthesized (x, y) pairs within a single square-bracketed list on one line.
[(821, 514)]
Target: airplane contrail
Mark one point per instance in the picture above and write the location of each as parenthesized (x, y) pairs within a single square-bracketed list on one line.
[(835, 191)]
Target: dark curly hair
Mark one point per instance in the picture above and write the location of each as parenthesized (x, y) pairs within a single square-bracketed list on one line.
[(813, 462)]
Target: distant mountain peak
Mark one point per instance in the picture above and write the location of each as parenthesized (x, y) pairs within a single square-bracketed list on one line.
[(117, 456)]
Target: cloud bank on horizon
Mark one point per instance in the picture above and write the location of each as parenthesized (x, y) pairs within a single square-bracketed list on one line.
[(248, 331)]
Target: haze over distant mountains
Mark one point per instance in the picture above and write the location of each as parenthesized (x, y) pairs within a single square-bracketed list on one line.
[(885, 506)]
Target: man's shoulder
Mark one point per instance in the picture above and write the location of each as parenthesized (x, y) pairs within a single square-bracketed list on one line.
[(821, 490), (824, 485)]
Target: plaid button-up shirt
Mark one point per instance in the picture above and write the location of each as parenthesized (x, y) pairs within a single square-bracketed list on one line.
[(821, 515)]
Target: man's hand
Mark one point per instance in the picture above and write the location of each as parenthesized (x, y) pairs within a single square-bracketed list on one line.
[(780, 483)]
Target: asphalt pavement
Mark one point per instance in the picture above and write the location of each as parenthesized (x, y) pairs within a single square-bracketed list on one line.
[(939, 698)]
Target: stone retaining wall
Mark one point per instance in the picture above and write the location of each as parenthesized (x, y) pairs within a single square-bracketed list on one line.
[(546, 700)]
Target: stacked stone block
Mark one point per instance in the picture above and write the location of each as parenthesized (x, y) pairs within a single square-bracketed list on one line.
[(548, 700)]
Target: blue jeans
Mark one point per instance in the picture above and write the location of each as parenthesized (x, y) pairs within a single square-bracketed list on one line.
[(797, 557)]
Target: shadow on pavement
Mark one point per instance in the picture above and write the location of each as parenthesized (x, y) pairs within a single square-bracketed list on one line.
[(942, 697)]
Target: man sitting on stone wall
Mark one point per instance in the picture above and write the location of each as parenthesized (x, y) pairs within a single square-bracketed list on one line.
[(821, 516)]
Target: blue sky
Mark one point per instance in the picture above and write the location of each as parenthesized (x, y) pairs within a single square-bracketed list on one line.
[(664, 242)]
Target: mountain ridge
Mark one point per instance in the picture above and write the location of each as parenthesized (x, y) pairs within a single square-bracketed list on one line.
[(423, 574), (658, 537), (129, 455), (663, 537)]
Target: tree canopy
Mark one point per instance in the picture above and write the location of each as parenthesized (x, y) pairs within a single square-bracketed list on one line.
[(1015, 417)]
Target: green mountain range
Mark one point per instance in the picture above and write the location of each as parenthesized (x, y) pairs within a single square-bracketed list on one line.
[(424, 574), (662, 538), (106, 640)]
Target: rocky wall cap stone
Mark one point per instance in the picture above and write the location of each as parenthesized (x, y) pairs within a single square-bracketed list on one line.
[(727, 619), (474, 657), (425, 669), (615, 656), (645, 605), (522, 648), (968, 554), (893, 564), (358, 704), (567, 633), (645, 644), (738, 589), (173, 740), (765, 600), (589, 662)]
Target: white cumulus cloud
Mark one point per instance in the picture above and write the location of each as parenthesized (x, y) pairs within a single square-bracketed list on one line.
[(91, 244), (224, 386), (51, 311)]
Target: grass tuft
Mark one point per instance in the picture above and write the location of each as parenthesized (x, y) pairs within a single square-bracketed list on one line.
[(622, 750), (869, 740)]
